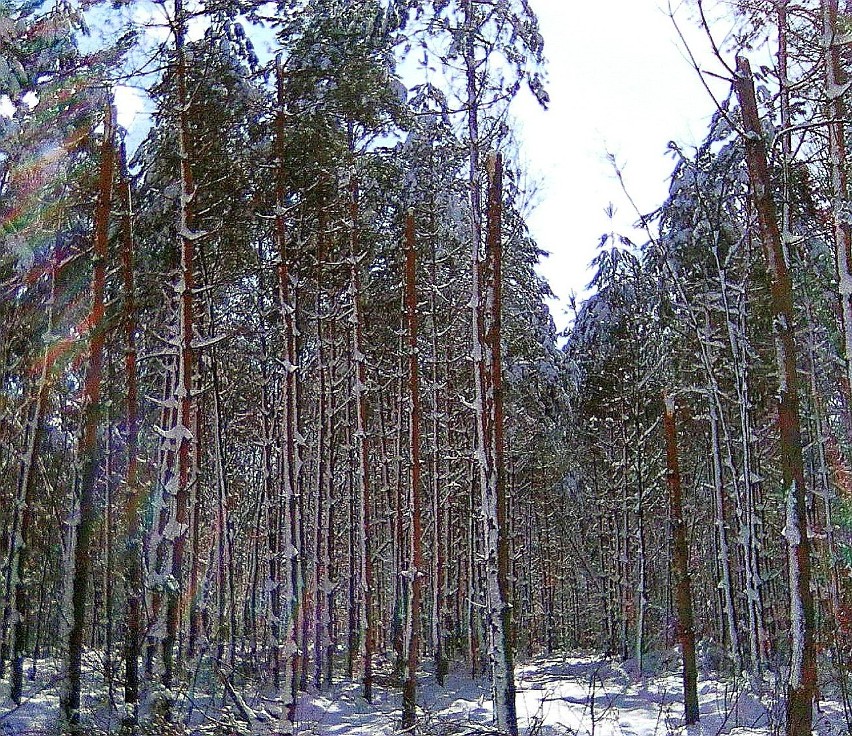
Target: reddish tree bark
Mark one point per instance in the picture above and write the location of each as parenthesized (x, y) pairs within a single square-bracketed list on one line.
[(801, 686)]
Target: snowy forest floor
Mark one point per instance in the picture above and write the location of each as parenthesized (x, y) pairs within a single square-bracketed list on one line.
[(571, 695)]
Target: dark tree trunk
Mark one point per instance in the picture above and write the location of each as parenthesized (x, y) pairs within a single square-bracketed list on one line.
[(289, 418), (362, 450), (22, 521), (680, 566), (182, 432), (415, 567), (133, 491)]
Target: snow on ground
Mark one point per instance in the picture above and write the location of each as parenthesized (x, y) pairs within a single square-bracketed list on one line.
[(579, 695)]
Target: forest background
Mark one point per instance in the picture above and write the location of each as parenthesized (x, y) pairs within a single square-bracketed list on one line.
[(282, 402)]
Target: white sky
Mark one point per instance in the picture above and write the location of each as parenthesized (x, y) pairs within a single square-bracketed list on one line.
[(620, 82)]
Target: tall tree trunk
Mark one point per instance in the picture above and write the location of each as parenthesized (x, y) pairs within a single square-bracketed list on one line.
[(108, 531), (439, 473), (289, 417), (323, 462), (330, 559), (680, 566), (821, 437), (400, 583), (276, 526), (362, 453), (487, 360), (802, 680), (89, 447), (133, 493), (182, 434), (641, 556), (836, 110), (415, 556), (226, 604), (722, 535), (194, 599), (154, 542)]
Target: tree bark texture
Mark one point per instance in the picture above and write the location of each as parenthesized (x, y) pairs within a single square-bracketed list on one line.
[(802, 681)]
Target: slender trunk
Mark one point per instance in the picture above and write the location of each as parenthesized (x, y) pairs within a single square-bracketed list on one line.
[(487, 359), (784, 98), (251, 617), (641, 557), (330, 558), (322, 530), (353, 531), (290, 651), (627, 604), (680, 566), (400, 583), (276, 544), (182, 436), (472, 596), (802, 680), (437, 479), (362, 456), (836, 111), (17, 606), (724, 555), (108, 563), (226, 604), (477, 336), (39, 622), (193, 597), (415, 566), (722, 535), (823, 482), (89, 446), (155, 547), (133, 497)]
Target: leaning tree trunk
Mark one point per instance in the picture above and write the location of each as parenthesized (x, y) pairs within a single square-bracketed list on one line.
[(88, 447), (18, 587), (802, 679)]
